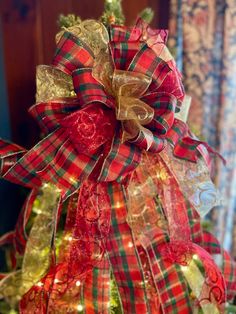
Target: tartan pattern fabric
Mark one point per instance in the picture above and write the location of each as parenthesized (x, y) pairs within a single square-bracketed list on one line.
[(120, 33), (49, 114), (96, 290), (72, 54), (121, 159), (9, 155), (187, 147), (229, 271), (212, 245), (147, 63), (123, 256), (157, 145), (194, 223), (88, 90), (164, 106), (123, 53), (169, 280), (50, 161)]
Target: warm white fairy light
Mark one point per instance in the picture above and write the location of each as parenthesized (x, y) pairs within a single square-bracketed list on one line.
[(39, 284), (56, 280), (72, 180), (117, 204), (58, 190), (37, 211), (130, 244), (78, 283), (184, 268), (195, 256), (68, 238), (80, 307)]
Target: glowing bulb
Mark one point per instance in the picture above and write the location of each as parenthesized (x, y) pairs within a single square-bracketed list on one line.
[(130, 244), (39, 284), (56, 280), (184, 268), (45, 185), (72, 180), (78, 283), (37, 211), (70, 239), (58, 190), (117, 205), (195, 256), (80, 307)]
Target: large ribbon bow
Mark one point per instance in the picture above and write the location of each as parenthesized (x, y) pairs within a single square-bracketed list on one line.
[(128, 90)]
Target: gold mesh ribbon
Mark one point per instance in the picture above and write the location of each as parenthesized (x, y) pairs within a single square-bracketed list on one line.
[(127, 88), (37, 255)]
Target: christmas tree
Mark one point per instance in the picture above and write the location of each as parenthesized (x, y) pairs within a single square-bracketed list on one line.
[(118, 184)]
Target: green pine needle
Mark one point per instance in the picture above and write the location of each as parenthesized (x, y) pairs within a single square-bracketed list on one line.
[(65, 21), (147, 15)]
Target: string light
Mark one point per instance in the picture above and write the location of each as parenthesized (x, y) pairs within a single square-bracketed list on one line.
[(68, 238), (37, 211), (56, 280), (195, 256), (39, 284), (184, 268), (117, 205), (58, 190), (73, 180), (130, 244), (80, 307), (78, 283)]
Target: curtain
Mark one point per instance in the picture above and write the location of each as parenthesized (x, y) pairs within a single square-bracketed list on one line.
[(203, 39)]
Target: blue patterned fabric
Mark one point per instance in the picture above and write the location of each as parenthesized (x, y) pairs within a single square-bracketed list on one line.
[(203, 39)]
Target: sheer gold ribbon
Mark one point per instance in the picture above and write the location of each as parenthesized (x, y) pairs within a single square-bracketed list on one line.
[(127, 88), (37, 253)]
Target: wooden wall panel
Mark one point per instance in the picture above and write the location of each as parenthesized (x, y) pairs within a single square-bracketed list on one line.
[(29, 28), (19, 42)]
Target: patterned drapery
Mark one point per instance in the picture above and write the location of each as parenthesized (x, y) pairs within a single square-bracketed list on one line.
[(203, 39)]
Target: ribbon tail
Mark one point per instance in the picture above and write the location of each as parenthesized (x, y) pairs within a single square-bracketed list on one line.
[(9, 155), (38, 251)]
